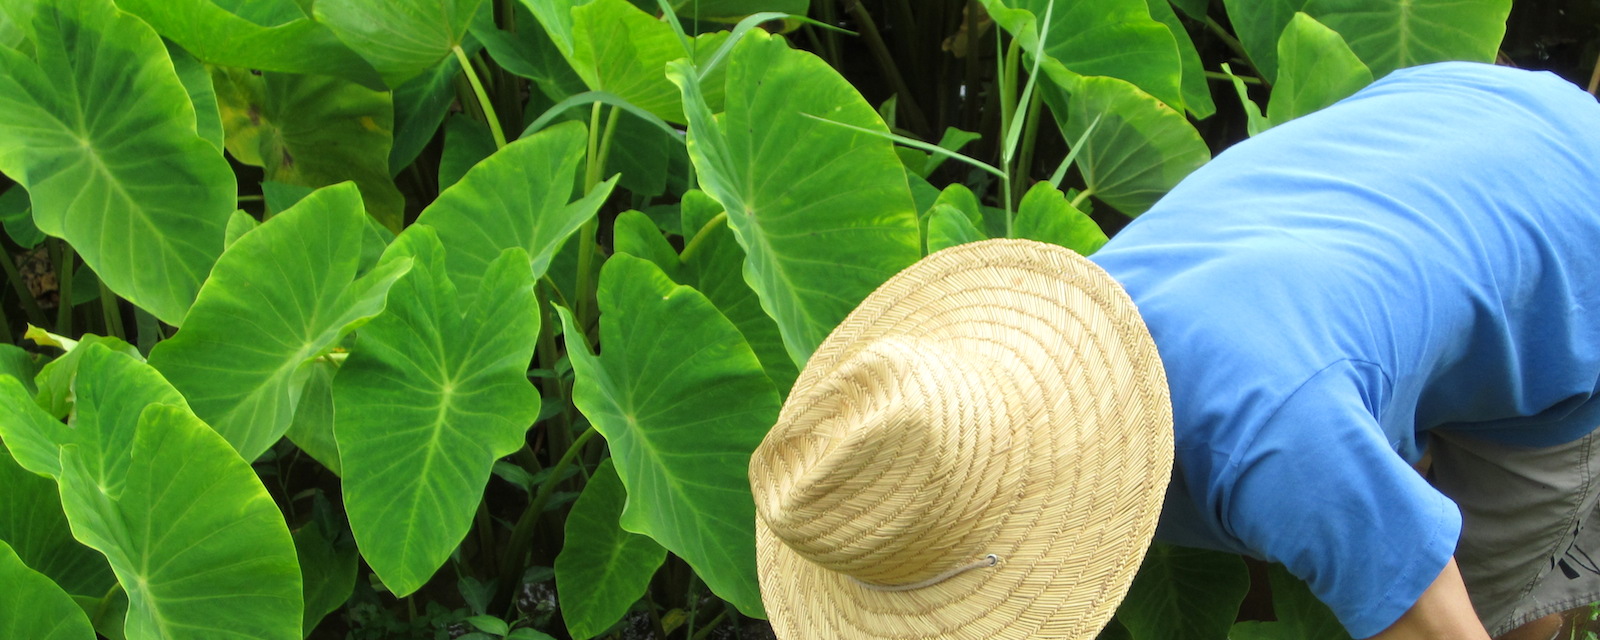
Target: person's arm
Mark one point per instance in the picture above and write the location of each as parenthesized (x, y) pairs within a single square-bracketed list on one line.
[(1443, 611)]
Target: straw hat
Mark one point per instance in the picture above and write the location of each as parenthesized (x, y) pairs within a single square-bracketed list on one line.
[(979, 451)]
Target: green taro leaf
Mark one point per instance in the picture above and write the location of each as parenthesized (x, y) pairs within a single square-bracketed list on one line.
[(528, 53), (466, 143), (1390, 35), (823, 212), (33, 607), (280, 296), (239, 224), (401, 38), (17, 213), (101, 132), (516, 197), (602, 570), (420, 106), (32, 522), (1305, 617), (682, 402), (732, 10), (432, 394), (1183, 594), (616, 48), (15, 16), (328, 570), (1259, 23), (1139, 148), (54, 381), (1116, 38), (192, 536), (312, 427), (948, 227), (197, 81), (312, 131), (1195, 87), (1046, 216), (1316, 69), (635, 234), (281, 38), (714, 269)]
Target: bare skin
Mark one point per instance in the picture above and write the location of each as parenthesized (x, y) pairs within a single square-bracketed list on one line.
[(1443, 611)]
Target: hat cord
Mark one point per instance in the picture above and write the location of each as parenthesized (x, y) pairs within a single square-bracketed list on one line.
[(987, 561)]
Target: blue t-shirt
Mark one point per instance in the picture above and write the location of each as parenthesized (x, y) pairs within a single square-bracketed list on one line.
[(1423, 255)]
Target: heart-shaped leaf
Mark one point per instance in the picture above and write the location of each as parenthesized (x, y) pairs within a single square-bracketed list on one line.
[(602, 570), (102, 133), (1139, 148), (312, 131), (1116, 38), (1316, 69), (714, 267), (823, 212), (1259, 24), (516, 197), (1389, 35), (33, 607), (682, 402), (401, 38), (266, 35), (432, 394), (192, 536), (1046, 216), (280, 296)]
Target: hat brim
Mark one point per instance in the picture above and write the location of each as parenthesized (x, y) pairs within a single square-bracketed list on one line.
[(1094, 462)]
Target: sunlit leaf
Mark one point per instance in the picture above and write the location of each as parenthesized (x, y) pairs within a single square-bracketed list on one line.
[(197, 81), (192, 536), (312, 131), (517, 197), (1316, 69), (34, 607), (682, 402), (1046, 216), (282, 38), (1116, 38), (433, 393), (602, 570), (101, 132), (312, 427), (280, 296), (1139, 148), (822, 211), (1389, 35), (715, 268), (948, 227), (401, 38)]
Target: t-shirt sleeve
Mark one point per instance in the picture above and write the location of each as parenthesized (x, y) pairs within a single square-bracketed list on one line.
[(1320, 489)]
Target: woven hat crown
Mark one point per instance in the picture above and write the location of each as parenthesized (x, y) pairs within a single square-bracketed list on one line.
[(882, 472)]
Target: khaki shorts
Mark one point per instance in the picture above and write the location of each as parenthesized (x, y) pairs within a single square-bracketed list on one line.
[(1529, 546)]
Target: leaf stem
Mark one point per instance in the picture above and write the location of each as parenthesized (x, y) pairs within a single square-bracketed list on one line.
[(483, 97), (62, 258), (104, 606), (522, 533), (1082, 195), (30, 306), (1024, 163), (1227, 38), (880, 52), (1223, 77), (112, 311), (690, 248)]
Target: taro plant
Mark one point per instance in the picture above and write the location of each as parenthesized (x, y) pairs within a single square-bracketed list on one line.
[(461, 318)]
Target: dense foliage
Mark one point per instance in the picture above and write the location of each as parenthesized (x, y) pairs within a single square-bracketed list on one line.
[(423, 318)]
